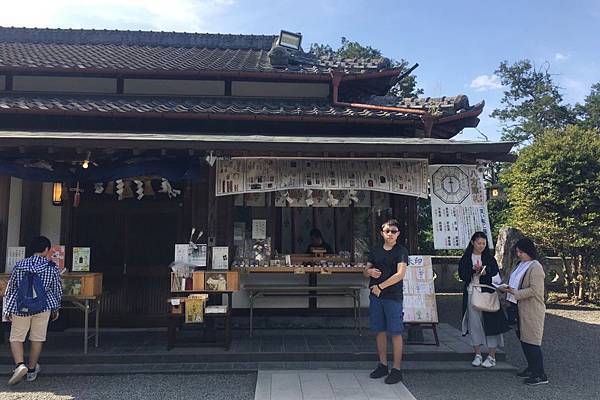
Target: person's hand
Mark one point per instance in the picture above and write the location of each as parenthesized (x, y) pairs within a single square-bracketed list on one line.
[(506, 289), (375, 290), (374, 273), (9, 317), (54, 315)]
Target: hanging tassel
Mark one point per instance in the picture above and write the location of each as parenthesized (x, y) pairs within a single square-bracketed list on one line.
[(77, 197), (148, 190), (110, 188)]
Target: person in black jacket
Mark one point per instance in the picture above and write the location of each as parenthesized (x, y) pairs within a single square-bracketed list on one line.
[(478, 266)]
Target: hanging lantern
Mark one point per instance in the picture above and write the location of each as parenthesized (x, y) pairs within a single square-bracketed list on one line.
[(57, 194)]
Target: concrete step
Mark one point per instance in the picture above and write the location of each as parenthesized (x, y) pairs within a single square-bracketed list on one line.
[(245, 367), (180, 355)]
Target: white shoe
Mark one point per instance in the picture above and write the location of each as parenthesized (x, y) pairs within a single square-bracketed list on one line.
[(477, 360), (19, 372), (32, 376), (489, 362)]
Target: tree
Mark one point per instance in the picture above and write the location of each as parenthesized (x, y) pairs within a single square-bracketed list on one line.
[(354, 50), (555, 198), (589, 112), (531, 103)]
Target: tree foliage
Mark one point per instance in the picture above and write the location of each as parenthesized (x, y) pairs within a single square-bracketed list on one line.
[(555, 198), (589, 112), (531, 103), (354, 50)]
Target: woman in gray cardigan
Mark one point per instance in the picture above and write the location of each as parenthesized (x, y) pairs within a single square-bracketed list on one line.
[(526, 290)]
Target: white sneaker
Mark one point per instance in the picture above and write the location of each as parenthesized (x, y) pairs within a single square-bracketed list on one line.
[(477, 360), (19, 372), (489, 362), (32, 376)]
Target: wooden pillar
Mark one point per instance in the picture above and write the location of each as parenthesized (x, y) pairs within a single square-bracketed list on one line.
[(412, 220), (212, 210), (66, 225), (31, 211), (4, 206), (405, 211)]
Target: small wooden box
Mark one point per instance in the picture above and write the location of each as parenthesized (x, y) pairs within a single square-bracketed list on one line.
[(177, 285), (74, 283), (209, 280), (3, 283), (82, 283)]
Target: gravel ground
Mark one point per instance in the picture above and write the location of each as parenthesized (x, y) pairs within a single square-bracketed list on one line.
[(133, 387), (571, 349)]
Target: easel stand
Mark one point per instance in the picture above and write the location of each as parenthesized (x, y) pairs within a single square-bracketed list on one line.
[(415, 333)]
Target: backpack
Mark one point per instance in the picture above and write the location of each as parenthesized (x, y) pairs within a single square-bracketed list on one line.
[(31, 296)]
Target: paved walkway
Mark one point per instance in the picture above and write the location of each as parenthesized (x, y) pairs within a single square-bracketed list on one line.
[(326, 385)]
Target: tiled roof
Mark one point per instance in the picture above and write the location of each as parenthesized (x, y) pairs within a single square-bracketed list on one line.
[(81, 104), (159, 51), (438, 106)]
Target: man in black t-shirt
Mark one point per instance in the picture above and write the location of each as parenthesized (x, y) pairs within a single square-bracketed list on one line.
[(386, 269)]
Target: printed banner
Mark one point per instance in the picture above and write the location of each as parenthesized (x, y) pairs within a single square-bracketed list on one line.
[(458, 206), (408, 177)]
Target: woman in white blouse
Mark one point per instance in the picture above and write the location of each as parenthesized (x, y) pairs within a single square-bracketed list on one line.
[(478, 266)]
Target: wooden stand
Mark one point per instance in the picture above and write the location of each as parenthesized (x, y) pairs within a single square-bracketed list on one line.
[(202, 282), (177, 317)]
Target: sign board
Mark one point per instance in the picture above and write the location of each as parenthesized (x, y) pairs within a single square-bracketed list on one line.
[(13, 254), (81, 259), (458, 206), (419, 303)]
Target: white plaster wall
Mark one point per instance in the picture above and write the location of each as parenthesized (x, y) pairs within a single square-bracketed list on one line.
[(14, 212), (50, 223)]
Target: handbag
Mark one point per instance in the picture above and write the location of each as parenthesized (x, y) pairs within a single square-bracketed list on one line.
[(484, 301), (512, 314)]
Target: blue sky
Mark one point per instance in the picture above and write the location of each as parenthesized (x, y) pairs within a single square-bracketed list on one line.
[(458, 44)]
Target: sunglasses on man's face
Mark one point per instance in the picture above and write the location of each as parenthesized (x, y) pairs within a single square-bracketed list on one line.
[(392, 231)]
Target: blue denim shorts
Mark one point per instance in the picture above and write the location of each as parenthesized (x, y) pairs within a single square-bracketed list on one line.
[(386, 315)]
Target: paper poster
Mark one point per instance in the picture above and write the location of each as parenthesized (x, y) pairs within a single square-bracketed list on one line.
[(81, 259), (13, 254), (220, 258), (181, 253), (57, 255), (197, 254), (458, 206), (261, 175), (194, 310), (400, 176), (239, 231), (230, 177), (290, 174), (259, 229), (419, 303)]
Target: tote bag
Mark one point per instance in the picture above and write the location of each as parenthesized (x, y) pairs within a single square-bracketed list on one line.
[(484, 301)]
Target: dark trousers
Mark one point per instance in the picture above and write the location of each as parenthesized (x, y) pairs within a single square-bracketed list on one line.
[(535, 360)]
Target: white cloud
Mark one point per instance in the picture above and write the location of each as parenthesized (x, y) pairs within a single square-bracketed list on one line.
[(486, 82), (561, 57), (173, 15), (575, 90)]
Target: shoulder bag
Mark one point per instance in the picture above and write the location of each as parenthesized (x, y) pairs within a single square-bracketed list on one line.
[(484, 301)]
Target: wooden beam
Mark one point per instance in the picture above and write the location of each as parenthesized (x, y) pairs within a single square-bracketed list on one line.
[(4, 216)]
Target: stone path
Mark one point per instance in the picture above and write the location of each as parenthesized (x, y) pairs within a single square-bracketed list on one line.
[(326, 385)]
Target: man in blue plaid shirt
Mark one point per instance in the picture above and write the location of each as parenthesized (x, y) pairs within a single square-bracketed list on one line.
[(35, 324)]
